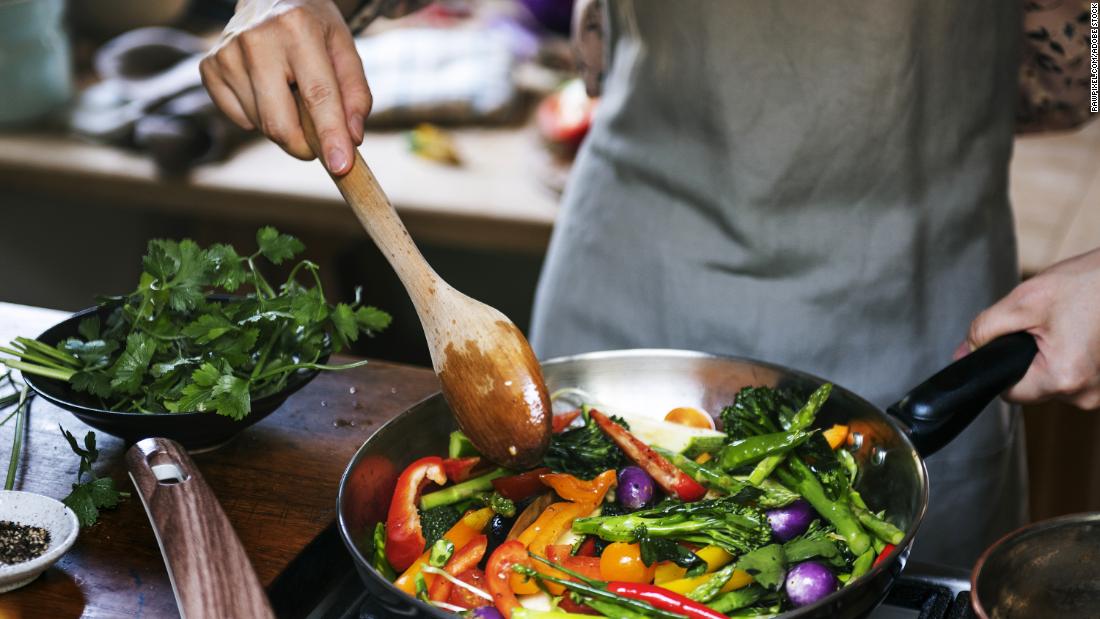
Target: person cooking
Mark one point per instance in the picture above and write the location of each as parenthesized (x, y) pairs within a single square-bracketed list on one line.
[(821, 187)]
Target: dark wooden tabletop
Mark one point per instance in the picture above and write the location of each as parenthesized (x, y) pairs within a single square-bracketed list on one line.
[(277, 482)]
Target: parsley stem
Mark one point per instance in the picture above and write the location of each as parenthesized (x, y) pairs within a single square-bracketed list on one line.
[(17, 442), (30, 356), (311, 366), (38, 370), (266, 351), (47, 350)]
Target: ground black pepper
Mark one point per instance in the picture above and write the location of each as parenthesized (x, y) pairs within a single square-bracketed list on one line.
[(19, 542)]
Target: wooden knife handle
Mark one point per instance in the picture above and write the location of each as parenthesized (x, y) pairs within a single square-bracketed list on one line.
[(210, 573)]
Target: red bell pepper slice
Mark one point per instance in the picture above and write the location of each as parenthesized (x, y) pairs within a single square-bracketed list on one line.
[(886, 550), (463, 559), (460, 469), (519, 487), (563, 421), (499, 571), (588, 547), (664, 599), (671, 479), (404, 538)]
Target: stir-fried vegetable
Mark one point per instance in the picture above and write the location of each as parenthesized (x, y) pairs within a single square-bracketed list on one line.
[(762, 519)]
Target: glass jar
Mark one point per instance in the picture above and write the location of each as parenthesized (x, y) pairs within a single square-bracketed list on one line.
[(35, 67)]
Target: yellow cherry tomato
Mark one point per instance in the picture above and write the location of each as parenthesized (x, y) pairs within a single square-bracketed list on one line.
[(691, 417), (622, 562)]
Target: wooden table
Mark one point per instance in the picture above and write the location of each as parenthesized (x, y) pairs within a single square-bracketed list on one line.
[(277, 482)]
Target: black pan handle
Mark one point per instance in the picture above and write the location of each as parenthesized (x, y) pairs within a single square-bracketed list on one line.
[(938, 409)]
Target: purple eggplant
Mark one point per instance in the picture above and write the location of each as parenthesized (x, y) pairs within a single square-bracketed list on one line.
[(486, 612), (791, 521), (809, 582), (635, 488)]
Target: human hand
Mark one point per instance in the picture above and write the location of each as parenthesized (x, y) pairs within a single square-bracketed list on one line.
[(1061, 308), (270, 45)]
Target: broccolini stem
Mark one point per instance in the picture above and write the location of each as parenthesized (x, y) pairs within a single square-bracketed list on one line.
[(462, 491), (737, 599), (748, 450), (801, 479), (803, 419), (879, 527), (706, 476), (862, 564)]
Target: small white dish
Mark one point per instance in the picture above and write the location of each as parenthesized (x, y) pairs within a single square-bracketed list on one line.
[(37, 511)]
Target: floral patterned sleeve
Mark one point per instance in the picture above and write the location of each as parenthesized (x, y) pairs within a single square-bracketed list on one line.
[(369, 10), (1054, 66)]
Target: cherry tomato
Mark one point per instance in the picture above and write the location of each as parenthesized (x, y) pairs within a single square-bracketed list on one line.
[(691, 417), (622, 562), (465, 598)]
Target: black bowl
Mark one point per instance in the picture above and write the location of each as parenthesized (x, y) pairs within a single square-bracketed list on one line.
[(195, 431)]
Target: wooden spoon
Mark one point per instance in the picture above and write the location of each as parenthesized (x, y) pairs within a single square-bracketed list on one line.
[(489, 374)]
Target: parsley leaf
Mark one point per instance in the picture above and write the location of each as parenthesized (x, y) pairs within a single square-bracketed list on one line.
[(171, 346), (88, 497), (225, 267), (89, 328), (130, 368), (277, 247)]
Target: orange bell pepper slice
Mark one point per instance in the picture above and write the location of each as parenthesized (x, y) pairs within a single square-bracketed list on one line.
[(836, 435), (577, 490)]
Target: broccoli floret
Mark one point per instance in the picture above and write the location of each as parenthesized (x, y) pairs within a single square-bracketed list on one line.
[(759, 410), (584, 452), (436, 521)]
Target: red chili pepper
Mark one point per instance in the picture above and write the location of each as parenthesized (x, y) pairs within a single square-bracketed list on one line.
[(499, 572), (519, 487), (460, 469), (404, 539), (463, 559), (562, 421), (671, 479), (664, 599), (886, 550)]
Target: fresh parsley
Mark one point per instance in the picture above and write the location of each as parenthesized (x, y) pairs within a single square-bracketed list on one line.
[(170, 346), (90, 493)]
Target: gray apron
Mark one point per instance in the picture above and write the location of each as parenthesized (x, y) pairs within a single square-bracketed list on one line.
[(818, 185)]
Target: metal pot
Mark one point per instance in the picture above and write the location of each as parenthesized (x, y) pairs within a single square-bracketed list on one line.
[(889, 447), (1046, 569)]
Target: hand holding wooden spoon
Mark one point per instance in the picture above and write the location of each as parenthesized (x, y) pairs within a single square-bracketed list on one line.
[(489, 374)]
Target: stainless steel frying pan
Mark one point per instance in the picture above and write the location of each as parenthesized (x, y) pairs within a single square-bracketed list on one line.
[(890, 444)]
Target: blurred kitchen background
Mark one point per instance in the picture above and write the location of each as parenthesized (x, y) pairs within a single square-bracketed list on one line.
[(107, 139)]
